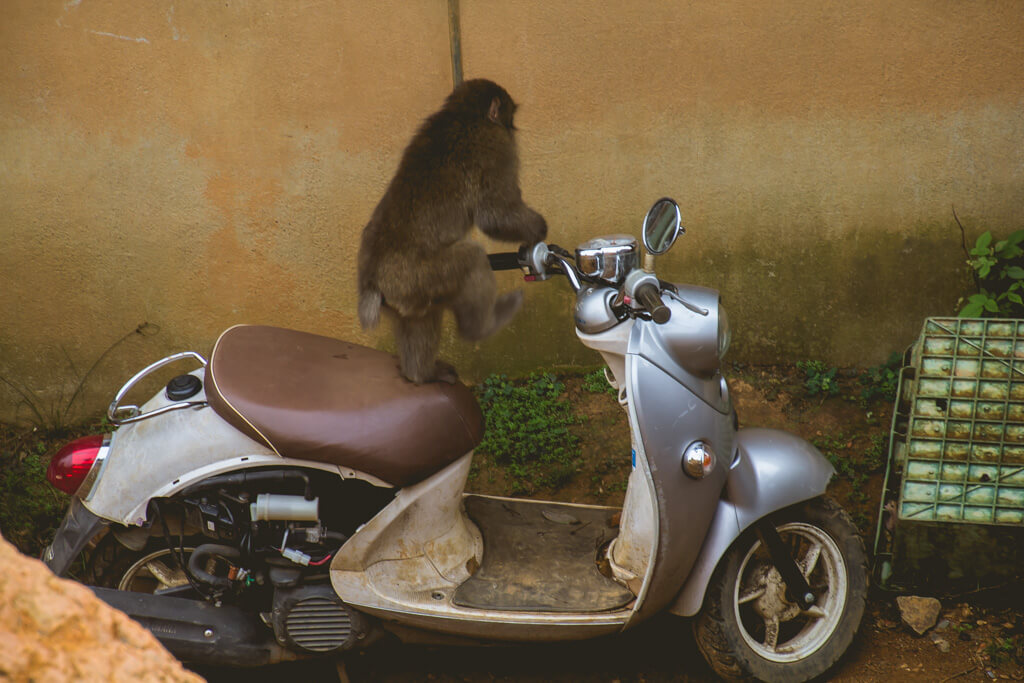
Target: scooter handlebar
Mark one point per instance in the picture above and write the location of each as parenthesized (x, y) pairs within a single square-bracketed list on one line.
[(649, 296), (506, 260)]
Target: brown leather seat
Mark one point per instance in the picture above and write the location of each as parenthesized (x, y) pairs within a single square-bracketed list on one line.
[(316, 398)]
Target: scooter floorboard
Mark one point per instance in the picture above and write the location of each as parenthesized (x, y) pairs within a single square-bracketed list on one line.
[(541, 557)]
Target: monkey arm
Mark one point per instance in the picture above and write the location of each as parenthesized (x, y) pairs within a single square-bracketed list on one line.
[(506, 217)]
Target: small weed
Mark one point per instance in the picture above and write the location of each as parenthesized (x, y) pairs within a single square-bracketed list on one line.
[(819, 378), (595, 383), (996, 267), (856, 471), (881, 381), (832, 448), (527, 431), (861, 521), (30, 509), (999, 650), (874, 456)]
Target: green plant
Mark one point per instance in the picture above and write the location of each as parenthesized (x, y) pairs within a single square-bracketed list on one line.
[(999, 650), (861, 521), (819, 378), (998, 275), (30, 509), (882, 381), (854, 470), (595, 383), (874, 456), (833, 448), (527, 430)]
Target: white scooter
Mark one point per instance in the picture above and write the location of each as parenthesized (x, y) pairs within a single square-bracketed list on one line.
[(295, 497)]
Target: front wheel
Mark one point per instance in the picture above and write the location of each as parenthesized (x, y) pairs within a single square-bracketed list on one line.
[(749, 627)]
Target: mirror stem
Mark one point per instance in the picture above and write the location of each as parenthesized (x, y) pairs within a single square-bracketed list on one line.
[(649, 262)]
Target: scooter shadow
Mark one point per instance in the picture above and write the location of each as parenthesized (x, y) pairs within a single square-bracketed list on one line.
[(662, 649)]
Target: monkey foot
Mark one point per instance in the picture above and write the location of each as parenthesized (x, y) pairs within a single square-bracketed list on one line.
[(505, 308), (445, 372)]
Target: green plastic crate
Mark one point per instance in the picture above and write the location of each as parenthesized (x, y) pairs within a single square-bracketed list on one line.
[(963, 455), (953, 500)]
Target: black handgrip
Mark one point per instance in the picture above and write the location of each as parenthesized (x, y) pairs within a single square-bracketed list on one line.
[(506, 260), (650, 297)]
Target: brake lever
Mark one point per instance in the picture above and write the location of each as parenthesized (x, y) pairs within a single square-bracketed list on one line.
[(674, 294)]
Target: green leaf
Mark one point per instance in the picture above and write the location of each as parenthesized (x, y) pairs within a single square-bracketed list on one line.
[(984, 239), (984, 269), (991, 306), (1016, 272), (1015, 298), (971, 310), (1016, 237)]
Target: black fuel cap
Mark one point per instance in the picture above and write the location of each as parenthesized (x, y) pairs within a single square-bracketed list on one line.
[(183, 386)]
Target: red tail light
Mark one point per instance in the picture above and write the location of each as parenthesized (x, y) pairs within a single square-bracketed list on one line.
[(69, 468)]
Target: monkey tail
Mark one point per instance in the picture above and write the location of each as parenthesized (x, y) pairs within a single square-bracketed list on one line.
[(369, 307)]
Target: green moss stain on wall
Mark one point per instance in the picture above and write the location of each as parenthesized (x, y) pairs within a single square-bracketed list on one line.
[(848, 299)]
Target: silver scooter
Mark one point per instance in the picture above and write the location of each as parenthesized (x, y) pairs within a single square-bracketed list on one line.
[(295, 497)]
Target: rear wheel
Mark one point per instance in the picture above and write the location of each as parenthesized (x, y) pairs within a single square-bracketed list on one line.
[(748, 626), (153, 569)]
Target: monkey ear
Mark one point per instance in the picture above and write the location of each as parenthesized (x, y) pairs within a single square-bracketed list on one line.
[(494, 113)]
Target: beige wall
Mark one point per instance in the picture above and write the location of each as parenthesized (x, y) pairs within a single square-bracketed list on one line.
[(194, 165)]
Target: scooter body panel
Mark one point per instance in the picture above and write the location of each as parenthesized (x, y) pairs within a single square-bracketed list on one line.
[(761, 481), (165, 454), (406, 563), (671, 389), (671, 412)]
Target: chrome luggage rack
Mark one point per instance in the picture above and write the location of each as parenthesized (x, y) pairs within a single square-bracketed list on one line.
[(115, 412)]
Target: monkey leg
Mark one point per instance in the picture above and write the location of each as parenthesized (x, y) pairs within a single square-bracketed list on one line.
[(418, 339), (479, 311)]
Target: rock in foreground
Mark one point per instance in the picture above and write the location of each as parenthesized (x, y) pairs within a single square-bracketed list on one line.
[(52, 629)]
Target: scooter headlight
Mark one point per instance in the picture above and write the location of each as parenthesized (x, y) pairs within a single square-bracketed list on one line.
[(724, 332), (698, 459)]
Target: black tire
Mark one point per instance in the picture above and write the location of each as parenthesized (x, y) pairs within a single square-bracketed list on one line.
[(740, 614)]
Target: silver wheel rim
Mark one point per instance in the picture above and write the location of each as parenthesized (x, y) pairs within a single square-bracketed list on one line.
[(155, 571), (771, 625)]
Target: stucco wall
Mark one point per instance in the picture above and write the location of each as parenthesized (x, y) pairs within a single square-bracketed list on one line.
[(195, 165)]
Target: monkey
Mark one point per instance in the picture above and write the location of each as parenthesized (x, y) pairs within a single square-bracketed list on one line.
[(415, 257)]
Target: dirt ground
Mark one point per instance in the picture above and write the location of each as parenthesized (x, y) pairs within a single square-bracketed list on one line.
[(980, 636)]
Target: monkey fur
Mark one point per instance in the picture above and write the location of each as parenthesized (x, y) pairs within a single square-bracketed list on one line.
[(415, 259)]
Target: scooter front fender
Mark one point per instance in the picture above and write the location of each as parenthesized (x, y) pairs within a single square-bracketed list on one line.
[(772, 470)]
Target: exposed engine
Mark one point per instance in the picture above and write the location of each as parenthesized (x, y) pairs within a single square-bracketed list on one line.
[(262, 539)]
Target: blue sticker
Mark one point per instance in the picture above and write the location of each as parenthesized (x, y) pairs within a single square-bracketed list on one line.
[(634, 458)]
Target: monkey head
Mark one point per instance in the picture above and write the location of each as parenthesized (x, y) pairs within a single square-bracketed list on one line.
[(484, 99)]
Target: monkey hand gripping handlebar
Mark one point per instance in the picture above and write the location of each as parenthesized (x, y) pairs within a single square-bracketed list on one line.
[(296, 497)]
